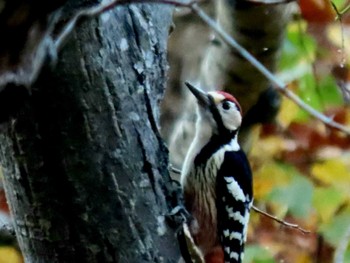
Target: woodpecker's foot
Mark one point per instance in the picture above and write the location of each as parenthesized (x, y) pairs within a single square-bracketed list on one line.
[(177, 216)]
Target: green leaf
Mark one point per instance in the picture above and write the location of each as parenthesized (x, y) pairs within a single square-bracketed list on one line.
[(307, 92), (319, 95), (335, 229), (297, 196), (347, 255), (327, 201), (298, 52), (298, 48), (333, 172), (329, 91), (257, 254), (270, 175), (339, 4)]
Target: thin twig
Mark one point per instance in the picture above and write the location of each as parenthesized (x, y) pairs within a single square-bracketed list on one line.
[(339, 17), (287, 224), (340, 13), (101, 8), (278, 84), (345, 10), (282, 222)]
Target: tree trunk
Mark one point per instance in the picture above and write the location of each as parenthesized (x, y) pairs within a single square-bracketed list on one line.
[(85, 169)]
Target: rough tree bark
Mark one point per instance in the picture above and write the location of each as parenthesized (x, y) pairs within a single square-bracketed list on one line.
[(85, 169)]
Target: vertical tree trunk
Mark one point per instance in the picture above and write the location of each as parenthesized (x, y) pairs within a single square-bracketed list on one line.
[(84, 165)]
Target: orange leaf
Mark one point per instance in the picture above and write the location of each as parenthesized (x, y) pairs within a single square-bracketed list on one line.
[(317, 11)]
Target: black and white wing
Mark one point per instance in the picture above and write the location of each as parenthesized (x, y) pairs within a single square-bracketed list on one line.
[(234, 196)]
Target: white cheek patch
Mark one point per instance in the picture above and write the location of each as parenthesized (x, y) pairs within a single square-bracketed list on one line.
[(232, 119), (217, 97)]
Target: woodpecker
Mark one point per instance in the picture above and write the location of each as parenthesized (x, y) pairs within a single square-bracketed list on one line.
[(216, 179)]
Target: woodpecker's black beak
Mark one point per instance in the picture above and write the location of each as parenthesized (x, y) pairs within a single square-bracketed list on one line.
[(201, 96)]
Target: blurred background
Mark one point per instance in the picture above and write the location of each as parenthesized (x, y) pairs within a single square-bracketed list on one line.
[(301, 167)]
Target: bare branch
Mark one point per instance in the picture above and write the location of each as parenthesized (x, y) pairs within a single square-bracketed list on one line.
[(101, 8), (340, 13), (345, 10), (339, 17), (278, 84), (282, 222)]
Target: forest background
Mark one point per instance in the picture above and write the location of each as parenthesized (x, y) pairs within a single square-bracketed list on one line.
[(301, 167)]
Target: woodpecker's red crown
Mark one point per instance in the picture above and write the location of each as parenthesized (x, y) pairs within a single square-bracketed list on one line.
[(231, 98), (219, 109)]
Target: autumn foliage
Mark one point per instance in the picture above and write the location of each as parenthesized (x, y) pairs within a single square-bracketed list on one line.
[(301, 167)]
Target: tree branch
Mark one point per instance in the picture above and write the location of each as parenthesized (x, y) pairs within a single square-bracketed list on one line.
[(282, 222), (278, 84), (101, 8)]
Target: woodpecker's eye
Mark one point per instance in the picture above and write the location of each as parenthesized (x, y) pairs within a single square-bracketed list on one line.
[(226, 105)]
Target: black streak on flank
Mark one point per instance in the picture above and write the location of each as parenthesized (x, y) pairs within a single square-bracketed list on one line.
[(235, 166)]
